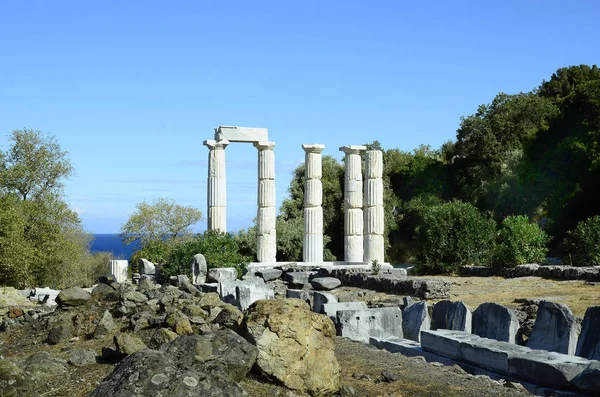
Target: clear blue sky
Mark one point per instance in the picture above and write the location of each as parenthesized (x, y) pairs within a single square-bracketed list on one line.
[(132, 88)]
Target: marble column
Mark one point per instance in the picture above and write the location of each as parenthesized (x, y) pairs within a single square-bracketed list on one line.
[(312, 250), (119, 268), (353, 203), (217, 185), (266, 238), (373, 207)]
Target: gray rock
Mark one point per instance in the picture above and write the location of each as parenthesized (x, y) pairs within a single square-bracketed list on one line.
[(555, 329), (547, 368), (146, 267), (298, 279), (451, 315), (58, 334), (247, 294), (494, 321), (146, 284), (135, 296), (128, 344), (589, 378), (188, 287), (222, 274), (269, 274), (208, 364), (588, 345), (73, 297), (82, 357), (14, 382), (379, 322), (298, 294), (415, 318), (102, 290), (199, 269), (331, 309), (161, 337), (325, 283), (42, 364), (105, 326), (322, 298)]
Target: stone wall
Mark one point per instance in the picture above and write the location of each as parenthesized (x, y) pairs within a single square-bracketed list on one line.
[(556, 272)]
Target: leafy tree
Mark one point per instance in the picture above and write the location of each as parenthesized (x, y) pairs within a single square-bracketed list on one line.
[(566, 80), (452, 235), (520, 241), (582, 245), (160, 220), (41, 238)]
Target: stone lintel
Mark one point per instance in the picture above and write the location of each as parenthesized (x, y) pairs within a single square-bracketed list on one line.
[(264, 145), (241, 134), (353, 149), (214, 144), (313, 147)]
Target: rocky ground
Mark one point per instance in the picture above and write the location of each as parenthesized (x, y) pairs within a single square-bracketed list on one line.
[(69, 352)]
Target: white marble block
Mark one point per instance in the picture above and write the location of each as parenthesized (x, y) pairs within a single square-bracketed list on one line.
[(119, 268), (241, 134), (312, 251), (374, 248), (313, 220), (374, 220), (265, 220), (353, 249), (374, 211), (313, 193), (266, 241), (353, 222), (266, 248), (373, 192), (216, 185), (353, 202)]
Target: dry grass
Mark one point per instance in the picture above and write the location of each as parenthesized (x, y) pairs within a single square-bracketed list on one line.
[(477, 290)]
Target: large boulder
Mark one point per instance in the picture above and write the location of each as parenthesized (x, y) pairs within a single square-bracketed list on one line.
[(555, 329), (295, 345), (73, 297), (588, 345), (198, 365), (199, 269)]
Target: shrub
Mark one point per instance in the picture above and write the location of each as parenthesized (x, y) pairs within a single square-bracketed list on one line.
[(452, 235), (582, 244), (156, 251), (220, 250), (520, 241)]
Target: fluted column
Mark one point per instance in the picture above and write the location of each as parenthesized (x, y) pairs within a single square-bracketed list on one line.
[(216, 185), (373, 207), (266, 238), (353, 202), (312, 250)]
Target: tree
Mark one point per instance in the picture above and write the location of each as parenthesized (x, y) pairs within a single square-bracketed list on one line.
[(160, 220), (42, 241)]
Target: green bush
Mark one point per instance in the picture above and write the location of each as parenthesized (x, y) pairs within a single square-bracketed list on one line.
[(520, 241), (219, 249), (156, 251), (452, 235), (582, 244)]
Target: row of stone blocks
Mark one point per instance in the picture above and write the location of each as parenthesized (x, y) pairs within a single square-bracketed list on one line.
[(536, 369)]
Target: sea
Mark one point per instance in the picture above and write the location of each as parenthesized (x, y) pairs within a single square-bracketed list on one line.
[(112, 243)]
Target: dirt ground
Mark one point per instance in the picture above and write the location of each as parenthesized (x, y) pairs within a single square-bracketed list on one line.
[(578, 295)]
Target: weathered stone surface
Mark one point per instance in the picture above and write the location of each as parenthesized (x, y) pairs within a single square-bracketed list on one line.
[(146, 267), (269, 274), (298, 279), (13, 380), (128, 343), (547, 368), (285, 330), (415, 318), (161, 337), (199, 269), (120, 269), (82, 357), (241, 134), (58, 333), (221, 274), (494, 321), (298, 294), (325, 283), (526, 270), (379, 322), (42, 364), (322, 298), (179, 323), (451, 315), (146, 284), (589, 378), (247, 294), (588, 345), (203, 365), (555, 329), (105, 326), (331, 309), (209, 300), (102, 290), (73, 297), (135, 296)]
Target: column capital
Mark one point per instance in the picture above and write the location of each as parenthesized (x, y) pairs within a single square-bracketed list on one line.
[(353, 149), (216, 145), (264, 145), (313, 147)]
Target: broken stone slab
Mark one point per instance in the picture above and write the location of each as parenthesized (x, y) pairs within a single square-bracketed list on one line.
[(415, 318), (555, 329), (227, 288), (208, 287), (298, 279), (444, 342), (269, 274), (247, 294), (322, 298), (46, 295), (120, 269), (146, 267), (331, 309), (451, 315), (74, 296), (199, 269), (298, 294), (222, 274), (325, 283), (494, 321), (490, 353), (547, 368), (589, 378), (360, 325), (588, 345), (241, 134)]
